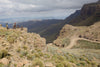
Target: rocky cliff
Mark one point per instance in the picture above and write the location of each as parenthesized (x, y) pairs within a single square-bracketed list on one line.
[(90, 9), (89, 14)]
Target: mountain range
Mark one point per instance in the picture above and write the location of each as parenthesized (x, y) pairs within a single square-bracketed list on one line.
[(88, 15), (77, 43)]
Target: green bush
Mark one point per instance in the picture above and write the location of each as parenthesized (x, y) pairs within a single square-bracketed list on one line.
[(23, 53), (66, 64), (37, 62), (19, 49), (59, 65), (46, 56), (3, 53), (83, 63), (30, 57), (87, 45), (41, 54), (11, 38), (1, 65), (37, 55), (66, 42), (25, 47), (59, 57), (94, 64)]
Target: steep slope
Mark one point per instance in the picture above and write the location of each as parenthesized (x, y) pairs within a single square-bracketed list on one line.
[(89, 14), (46, 28), (70, 34)]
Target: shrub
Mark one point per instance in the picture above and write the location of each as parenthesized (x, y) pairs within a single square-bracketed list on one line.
[(84, 59), (30, 57), (66, 42), (69, 65), (40, 53), (78, 64), (18, 50), (94, 64), (11, 38), (46, 56), (71, 58), (15, 65), (37, 62), (1, 65), (59, 65), (3, 53), (66, 64), (37, 55), (87, 44), (25, 47), (83, 63), (59, 57), (23, 53), (33, 51)]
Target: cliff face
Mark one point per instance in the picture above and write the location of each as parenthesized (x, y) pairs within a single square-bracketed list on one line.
[(90, 9), (89, 14)]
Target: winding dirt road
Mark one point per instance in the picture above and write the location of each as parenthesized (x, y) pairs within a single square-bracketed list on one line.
[(74, 41)]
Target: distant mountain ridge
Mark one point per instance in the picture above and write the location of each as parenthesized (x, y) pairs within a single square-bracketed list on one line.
[(88, 15), (46, 28)]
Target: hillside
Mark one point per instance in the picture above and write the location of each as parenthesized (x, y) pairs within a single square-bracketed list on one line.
[(46, 28), (89, 14), (73, 33), (76, 38), (21, 49)]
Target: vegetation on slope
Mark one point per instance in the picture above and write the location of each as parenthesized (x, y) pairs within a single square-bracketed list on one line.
[(83, 44), (26, 50)]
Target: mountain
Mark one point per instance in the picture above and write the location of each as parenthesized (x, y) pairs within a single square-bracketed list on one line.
[(76, 46), (89, 14), (46, 28)]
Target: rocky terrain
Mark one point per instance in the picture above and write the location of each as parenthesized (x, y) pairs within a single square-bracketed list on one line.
[(69, 32), (16, 45), (77, 45), (80, 38), (21, 49)]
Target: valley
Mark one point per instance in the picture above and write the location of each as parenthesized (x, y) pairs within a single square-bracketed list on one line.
[(71, 42)]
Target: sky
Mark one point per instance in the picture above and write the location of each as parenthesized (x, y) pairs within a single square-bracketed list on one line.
[(23, 10)]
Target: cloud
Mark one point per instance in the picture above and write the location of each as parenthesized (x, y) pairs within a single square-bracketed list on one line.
[(39, 8)]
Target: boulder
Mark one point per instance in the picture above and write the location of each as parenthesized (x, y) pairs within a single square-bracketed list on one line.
[(4, 61)]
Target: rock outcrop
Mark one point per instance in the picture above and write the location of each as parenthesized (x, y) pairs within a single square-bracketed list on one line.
[(90, 9), (16, 46), (89, 14)]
